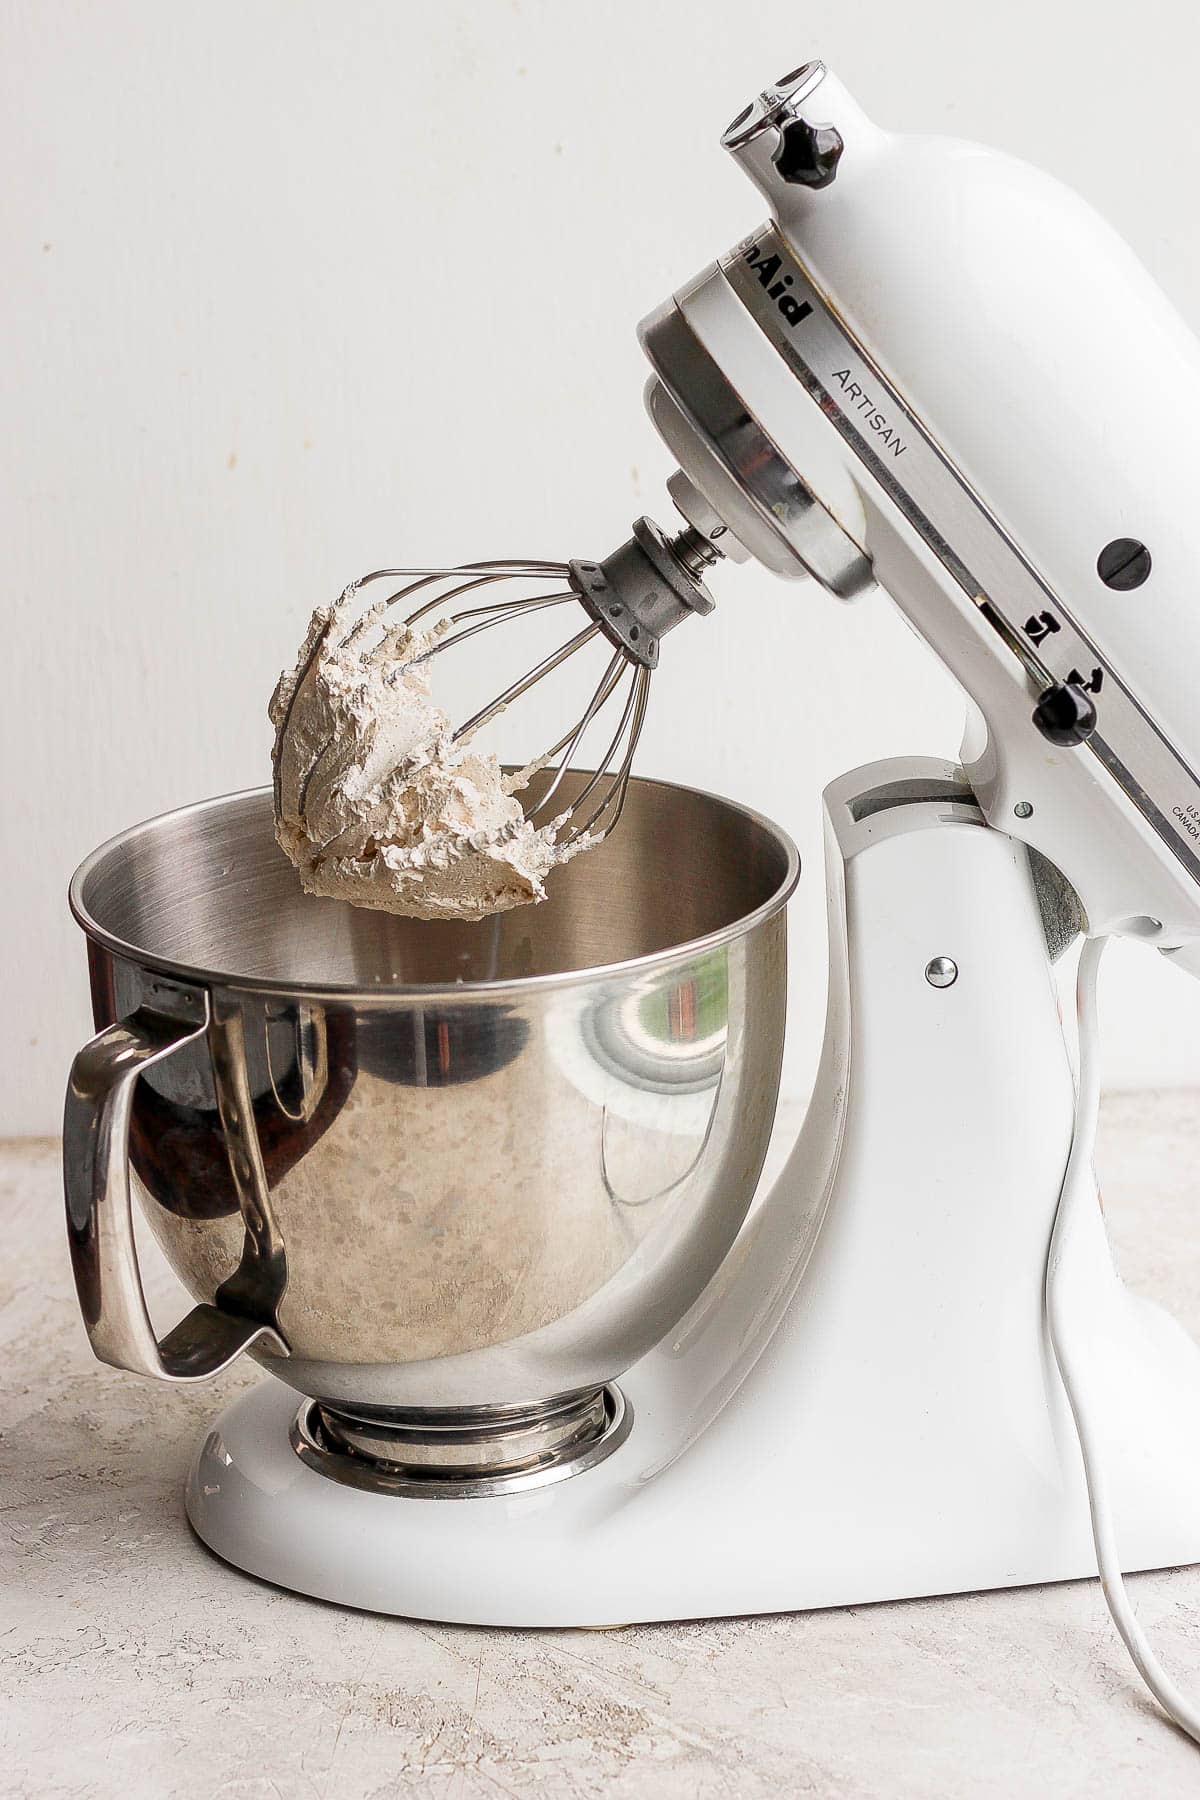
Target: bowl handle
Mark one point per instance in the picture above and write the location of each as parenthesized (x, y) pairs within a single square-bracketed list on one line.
[(99, 1209)]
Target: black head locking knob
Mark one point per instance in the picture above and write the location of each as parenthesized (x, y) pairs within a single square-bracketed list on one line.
[(1065, 714), (808, 154)]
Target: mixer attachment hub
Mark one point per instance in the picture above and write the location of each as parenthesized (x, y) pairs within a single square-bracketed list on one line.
[(646, 587)]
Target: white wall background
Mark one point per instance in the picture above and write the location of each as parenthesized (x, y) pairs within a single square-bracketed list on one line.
[(292, 289)]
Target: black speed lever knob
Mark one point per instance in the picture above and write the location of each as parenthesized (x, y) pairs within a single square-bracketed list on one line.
[(1065, 714), (809, 154)]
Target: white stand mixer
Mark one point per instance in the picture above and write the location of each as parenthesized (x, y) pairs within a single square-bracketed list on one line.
[(937, 370), (863, 1405)]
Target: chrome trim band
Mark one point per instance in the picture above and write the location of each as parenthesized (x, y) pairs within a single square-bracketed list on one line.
[(779, 496), (936, 499), (782, 100)]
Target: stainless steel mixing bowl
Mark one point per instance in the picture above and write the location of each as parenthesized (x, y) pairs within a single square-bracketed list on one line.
[(413, 1165)]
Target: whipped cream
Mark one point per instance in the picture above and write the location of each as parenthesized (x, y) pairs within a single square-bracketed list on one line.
[(374, 801)]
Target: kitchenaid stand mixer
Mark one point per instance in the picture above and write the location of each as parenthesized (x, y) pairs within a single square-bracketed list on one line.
[(937, 370)]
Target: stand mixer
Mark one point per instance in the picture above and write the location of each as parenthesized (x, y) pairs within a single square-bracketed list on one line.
[(936, 370)]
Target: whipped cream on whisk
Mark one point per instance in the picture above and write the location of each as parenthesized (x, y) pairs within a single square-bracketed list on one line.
[(374, 801)]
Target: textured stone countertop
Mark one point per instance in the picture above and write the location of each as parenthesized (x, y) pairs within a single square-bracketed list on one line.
[(133, 1664)]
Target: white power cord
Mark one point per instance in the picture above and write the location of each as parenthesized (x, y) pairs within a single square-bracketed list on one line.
[(1079, 1194)]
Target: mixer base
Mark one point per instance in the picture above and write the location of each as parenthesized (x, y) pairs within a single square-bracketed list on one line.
[(863, 1405), (601, 1550)]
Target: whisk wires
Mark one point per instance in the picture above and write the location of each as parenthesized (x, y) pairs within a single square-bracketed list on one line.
[(622, 690)]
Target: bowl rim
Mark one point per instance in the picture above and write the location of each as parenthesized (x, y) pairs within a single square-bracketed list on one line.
[(383, 993)]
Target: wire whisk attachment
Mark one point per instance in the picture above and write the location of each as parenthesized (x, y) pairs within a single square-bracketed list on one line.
[(381, 796)]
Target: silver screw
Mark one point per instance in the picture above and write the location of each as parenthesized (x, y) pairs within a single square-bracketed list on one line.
[(1023, 810), (942, 972)]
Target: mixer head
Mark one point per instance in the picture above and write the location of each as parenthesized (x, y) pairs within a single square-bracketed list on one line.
[(903, 378)]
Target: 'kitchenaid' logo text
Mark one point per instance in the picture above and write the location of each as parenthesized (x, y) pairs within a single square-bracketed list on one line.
[(767, 269)]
